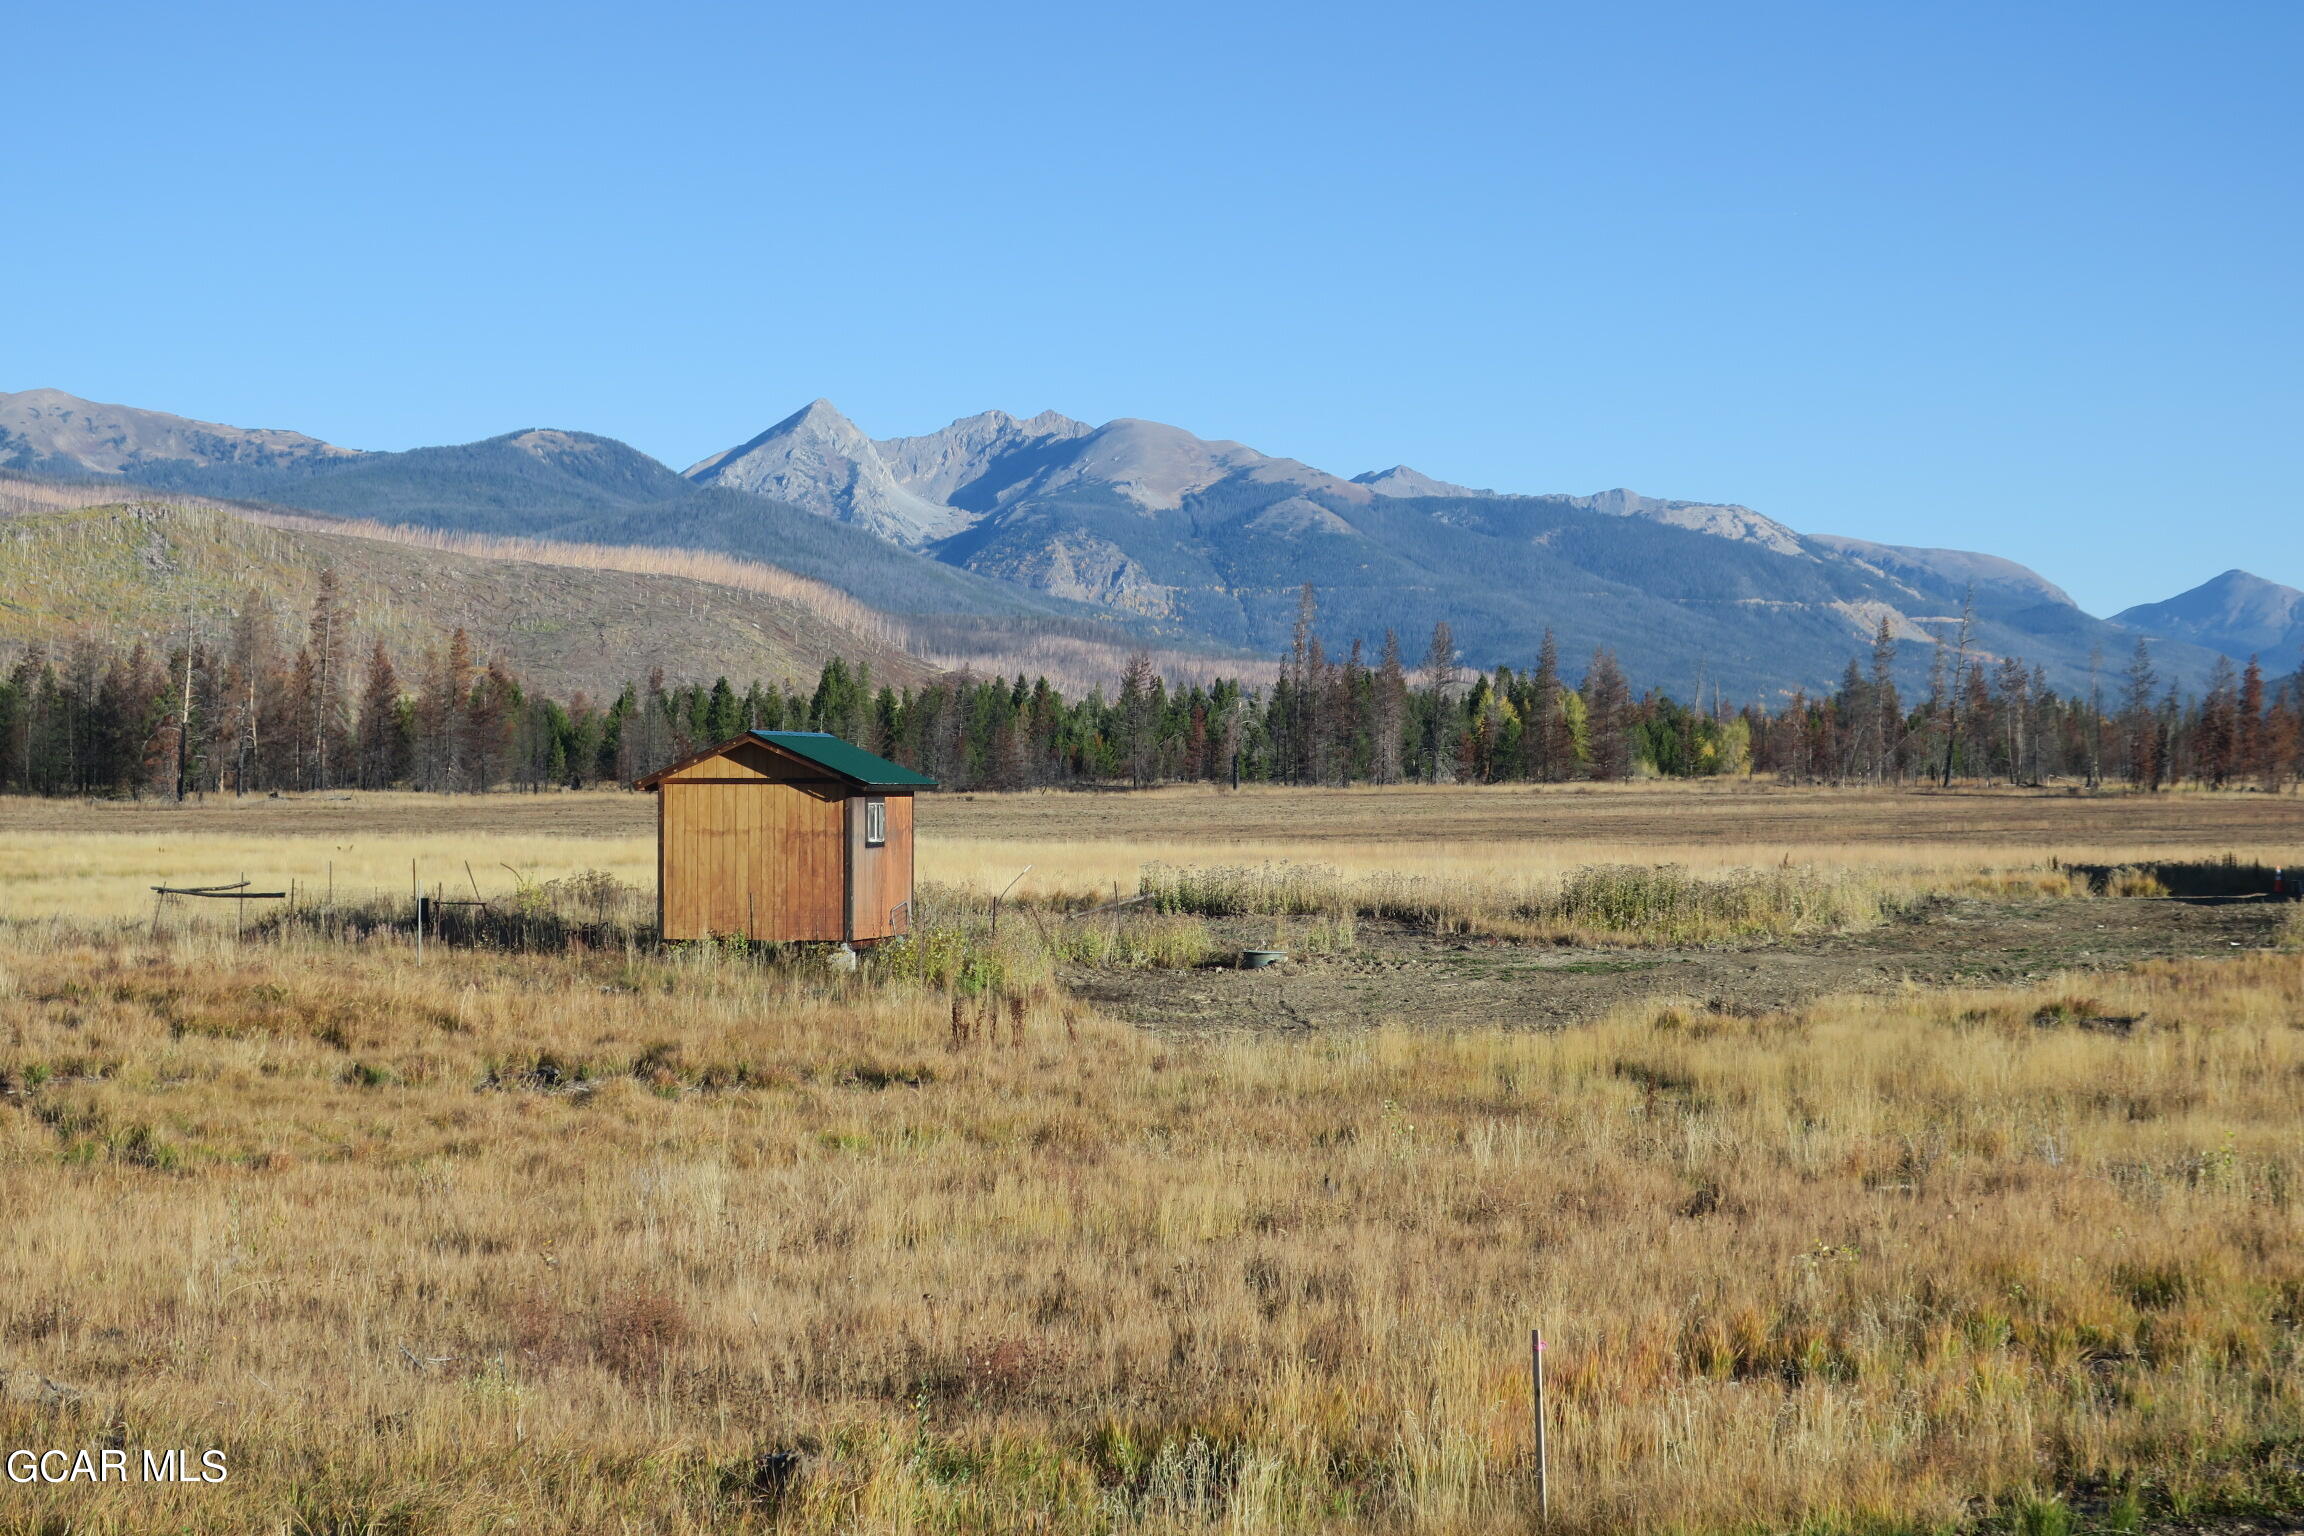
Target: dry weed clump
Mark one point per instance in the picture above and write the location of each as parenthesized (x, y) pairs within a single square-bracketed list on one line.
[(1157, 940), (969, 943), (1612, 903), (2131, 881), (681, 1244)]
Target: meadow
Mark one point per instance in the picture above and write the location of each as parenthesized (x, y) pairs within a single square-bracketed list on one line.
[(98, 859), (701, 1240)]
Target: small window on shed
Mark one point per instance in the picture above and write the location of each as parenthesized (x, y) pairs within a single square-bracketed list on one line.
[(875, 823)]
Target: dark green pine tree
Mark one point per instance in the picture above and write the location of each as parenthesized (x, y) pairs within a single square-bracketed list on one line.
[(723, 714)]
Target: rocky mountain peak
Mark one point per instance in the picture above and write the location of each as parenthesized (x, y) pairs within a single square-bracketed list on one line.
[(820, 411), (2241, 586), (819, 460), (1400, 480), (963, 463), (2238, 613)]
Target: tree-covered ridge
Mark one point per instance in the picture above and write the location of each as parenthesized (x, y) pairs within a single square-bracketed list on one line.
[(152, 572), (266, 711)]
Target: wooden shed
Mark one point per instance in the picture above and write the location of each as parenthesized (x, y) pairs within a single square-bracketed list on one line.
[(784, 836)]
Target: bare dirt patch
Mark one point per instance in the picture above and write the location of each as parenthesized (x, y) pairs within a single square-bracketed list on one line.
[(1399, 975)]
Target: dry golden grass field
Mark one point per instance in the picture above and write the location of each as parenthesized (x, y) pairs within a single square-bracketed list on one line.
[(613, 1238), (91, 858)]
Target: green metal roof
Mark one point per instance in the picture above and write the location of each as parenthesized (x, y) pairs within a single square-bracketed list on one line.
[(847, 759)]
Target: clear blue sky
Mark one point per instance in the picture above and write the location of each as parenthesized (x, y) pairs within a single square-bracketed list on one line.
[(2022, 278)]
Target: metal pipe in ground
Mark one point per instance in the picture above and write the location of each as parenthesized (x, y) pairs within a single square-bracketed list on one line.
[(1536, 1414)]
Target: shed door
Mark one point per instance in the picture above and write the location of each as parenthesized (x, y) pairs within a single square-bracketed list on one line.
[(880, 866)]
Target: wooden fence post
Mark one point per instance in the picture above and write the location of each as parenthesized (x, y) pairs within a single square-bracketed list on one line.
[(1536, 1414)]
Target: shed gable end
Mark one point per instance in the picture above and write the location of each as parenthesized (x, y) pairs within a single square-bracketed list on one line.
[(747, 760)]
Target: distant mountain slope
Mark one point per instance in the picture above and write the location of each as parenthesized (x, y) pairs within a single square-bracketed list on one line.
[(1949, 567), (1741, 524), (2236, 613), (1214, 538), (45, 431), (135, 572), (510, 484)]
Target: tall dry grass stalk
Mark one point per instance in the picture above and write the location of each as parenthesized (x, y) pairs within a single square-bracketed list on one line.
[(25, 496), (686, 1245), (1604, 903), (1063, 867)]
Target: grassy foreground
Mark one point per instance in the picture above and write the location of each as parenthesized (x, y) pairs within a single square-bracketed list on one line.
[(571, 1244)]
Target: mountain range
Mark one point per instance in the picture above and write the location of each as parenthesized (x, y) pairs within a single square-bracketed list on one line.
[(535, 484), (1141, 529)]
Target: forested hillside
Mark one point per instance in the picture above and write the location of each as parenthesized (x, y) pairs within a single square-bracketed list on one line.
[(150, 574)]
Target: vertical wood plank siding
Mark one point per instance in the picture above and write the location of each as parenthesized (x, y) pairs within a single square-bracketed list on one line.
[(749, 842), (897, 893), (757, 858)]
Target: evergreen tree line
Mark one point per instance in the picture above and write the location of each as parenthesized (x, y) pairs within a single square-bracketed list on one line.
[(264, 712)]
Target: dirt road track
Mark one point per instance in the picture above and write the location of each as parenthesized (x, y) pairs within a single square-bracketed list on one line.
[(1645, 816), (1399, 976)]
